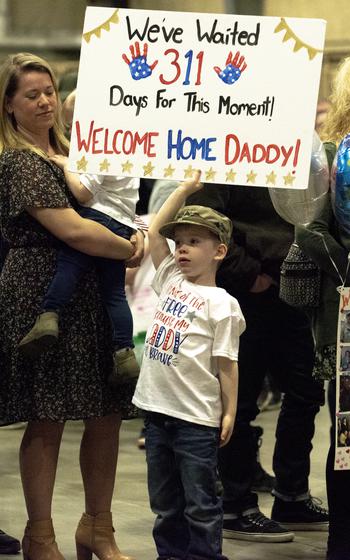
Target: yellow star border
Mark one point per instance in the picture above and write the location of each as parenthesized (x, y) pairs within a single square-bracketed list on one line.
[(82, 164), (169, 171), (105, 25)]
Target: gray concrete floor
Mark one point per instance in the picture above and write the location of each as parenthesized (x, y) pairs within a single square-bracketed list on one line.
[(132, 516)]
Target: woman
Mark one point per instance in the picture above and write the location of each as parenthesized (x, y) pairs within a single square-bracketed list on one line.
[(37, 213), (332, 243)]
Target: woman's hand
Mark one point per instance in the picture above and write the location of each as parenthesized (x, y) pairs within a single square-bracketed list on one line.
[(137, 239), (60, 160)]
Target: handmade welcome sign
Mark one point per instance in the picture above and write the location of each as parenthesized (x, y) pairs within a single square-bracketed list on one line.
[(163, 93)]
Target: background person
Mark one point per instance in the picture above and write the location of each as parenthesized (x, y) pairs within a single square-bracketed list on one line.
[(8, 544), (278, 341), (333, 242)]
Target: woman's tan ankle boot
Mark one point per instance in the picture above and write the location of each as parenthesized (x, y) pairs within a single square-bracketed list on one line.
[(95, 534), (39, 541)]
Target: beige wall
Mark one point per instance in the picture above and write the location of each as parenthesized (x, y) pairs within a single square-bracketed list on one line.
[(44, 17), (337, 15), (215, 6)]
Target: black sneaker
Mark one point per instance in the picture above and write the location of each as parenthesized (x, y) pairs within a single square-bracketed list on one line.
[(255, 527), (306, 515), (9, 545)]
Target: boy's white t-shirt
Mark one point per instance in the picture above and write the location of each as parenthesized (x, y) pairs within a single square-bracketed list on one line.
[(193, 326), (114, 196)]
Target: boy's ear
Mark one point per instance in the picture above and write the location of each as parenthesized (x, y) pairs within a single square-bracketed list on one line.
[(221, 252)]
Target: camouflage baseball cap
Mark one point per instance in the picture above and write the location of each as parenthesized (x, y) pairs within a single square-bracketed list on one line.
[(200, 216)]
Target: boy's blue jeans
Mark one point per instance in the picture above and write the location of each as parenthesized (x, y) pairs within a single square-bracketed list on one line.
[(72, 265), (182, 485)]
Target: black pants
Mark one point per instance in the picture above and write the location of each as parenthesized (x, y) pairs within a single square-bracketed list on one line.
[(278, 341), (338, 492)]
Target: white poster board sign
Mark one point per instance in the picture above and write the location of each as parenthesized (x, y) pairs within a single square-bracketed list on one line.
[(163, 93)]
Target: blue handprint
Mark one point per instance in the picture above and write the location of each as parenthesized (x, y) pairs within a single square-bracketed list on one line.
[(139, 67), (233, 70)]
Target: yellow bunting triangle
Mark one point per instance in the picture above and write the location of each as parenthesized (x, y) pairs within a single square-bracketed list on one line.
[(281, 25), (298, 45), (105, 25), (312, 52), (288, 35)]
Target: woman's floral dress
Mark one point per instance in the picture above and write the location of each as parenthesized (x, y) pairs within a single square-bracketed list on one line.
[(68, 382)]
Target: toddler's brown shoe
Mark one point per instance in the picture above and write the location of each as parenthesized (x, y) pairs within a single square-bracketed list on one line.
[(42, 336), (126, 368)]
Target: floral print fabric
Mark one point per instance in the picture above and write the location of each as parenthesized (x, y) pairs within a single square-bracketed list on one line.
[(68, 382)]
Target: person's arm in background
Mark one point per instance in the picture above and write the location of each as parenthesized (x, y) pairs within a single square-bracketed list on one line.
[(317, 241), (239, 271)]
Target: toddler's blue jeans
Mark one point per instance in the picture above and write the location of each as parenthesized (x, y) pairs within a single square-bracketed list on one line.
[(182, 485)]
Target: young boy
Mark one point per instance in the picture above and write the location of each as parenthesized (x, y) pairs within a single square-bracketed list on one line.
[(188, 381)]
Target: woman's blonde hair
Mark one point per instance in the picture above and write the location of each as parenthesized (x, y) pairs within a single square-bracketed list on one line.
[(337, 123), (10, 137)]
